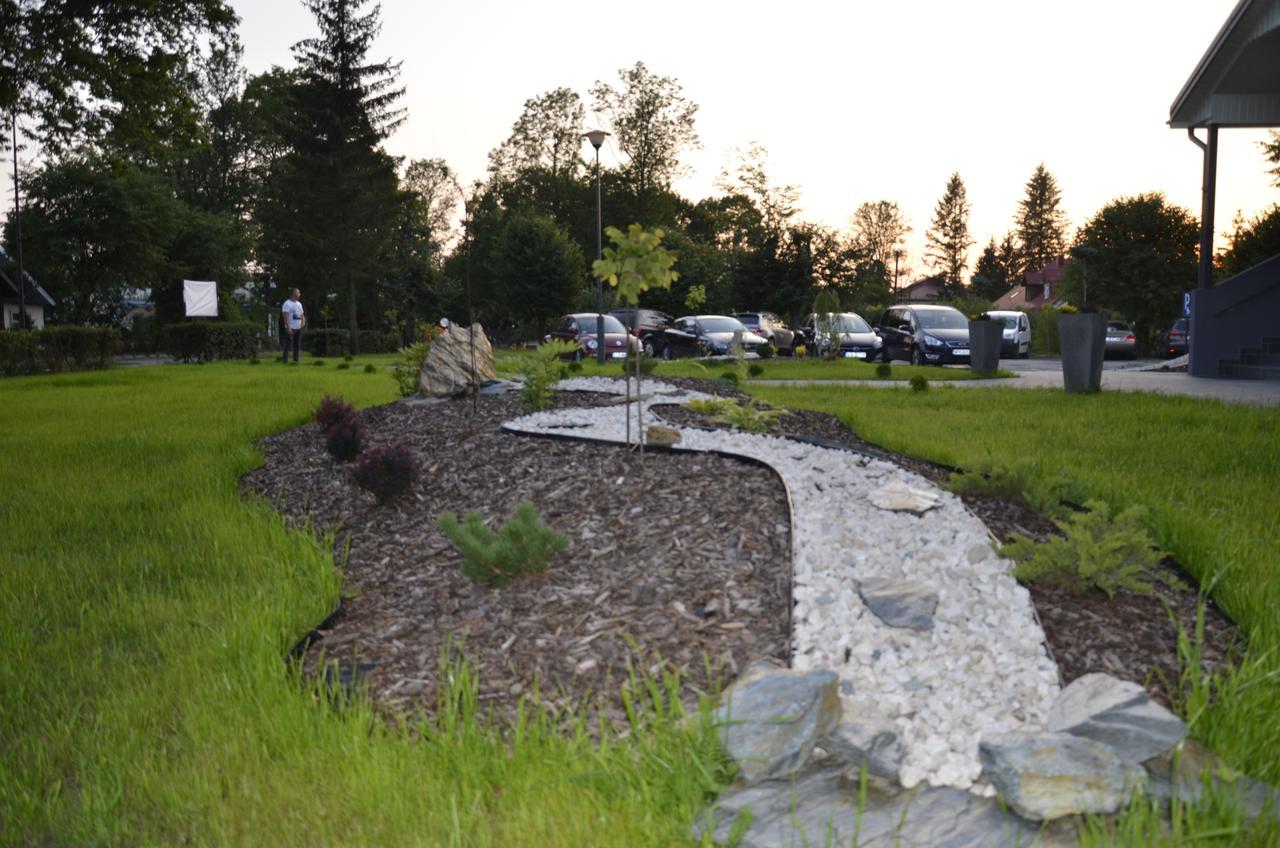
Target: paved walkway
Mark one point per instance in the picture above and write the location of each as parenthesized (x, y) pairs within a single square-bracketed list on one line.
[(1249, 392)]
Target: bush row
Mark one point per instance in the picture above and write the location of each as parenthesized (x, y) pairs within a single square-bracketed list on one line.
[(204, 341), (332, 342), (57, 349)]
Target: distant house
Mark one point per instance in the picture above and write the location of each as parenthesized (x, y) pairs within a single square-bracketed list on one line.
[(1037, 290), (923, 290), (37, 299)]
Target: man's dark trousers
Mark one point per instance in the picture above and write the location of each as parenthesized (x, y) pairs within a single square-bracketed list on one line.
[(288, 340)]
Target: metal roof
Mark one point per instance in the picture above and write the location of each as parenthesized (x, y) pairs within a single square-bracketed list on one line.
[(34, 294), (1237, 82)]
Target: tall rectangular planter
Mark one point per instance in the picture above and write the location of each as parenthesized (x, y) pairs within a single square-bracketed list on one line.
[(1083, 338), (984, 345)]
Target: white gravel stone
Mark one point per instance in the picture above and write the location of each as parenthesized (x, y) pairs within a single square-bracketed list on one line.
[(982, 669)]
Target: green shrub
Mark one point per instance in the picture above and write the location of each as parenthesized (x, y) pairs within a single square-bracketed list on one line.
[(57, 349), (206, 341), (647, 363), (343, 365), (523, 545), (1044, 330), (349, 358), (1098, 551), (318, 362), (919, 383), (369, 368), (710, 406), (376, 341), (730, 377), (326, 342), (145, 334), (883, 371), (766, 350), (575, 366), (19, 352), (1040, 490), (409, 368), (749, 417), (756, 370), (541, 371)]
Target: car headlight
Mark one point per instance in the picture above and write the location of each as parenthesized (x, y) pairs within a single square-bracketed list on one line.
[(932, 341), (877, 343), (591, 344), (720, 347)]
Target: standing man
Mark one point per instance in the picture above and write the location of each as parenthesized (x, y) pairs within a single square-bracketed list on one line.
[(293, 320)]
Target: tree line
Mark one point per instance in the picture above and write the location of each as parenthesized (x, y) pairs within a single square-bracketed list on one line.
[(163, 159)]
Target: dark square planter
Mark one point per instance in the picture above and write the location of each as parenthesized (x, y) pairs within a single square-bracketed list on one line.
[(1083, 339), (984, 345)]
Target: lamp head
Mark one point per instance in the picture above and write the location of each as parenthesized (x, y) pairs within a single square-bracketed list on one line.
[(596, 137)]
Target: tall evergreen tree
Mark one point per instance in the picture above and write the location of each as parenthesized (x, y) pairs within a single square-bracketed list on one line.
[(995, 272), (1040, 225), (1271, 151), (334, 202), (948, 236)]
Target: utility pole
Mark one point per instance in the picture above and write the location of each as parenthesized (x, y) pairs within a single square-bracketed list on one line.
[(17, 219)]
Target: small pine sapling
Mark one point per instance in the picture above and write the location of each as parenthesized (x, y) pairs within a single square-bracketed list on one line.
[(385, 471), (523, 545), (345, 439)]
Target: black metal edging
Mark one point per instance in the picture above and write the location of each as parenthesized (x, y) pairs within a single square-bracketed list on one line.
[(791, 510)]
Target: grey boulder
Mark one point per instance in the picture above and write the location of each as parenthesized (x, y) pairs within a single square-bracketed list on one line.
[(771, 719), (865, 738), (459, 358), (1044, 776), (1118, 714), (900, 603)]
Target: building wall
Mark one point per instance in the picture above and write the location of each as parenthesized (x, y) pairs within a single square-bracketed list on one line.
[(34, 312)]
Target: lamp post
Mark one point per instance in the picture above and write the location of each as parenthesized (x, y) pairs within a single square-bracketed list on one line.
[(597, 137), (897, 254), (17, 221)]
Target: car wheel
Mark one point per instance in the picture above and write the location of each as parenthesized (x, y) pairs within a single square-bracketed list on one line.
[(884, 355), (647, 347), (667, 354), (917, 358), (577, 355)]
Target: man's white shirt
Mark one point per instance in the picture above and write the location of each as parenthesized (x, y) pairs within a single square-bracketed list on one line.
[(293, 308)]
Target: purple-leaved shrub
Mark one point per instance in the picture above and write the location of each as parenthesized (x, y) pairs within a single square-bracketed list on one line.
[(386, 471), (332, 410), (345, 438)]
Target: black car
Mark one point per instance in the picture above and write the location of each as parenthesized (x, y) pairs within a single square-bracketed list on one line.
[(925, 334), (647, 325), (1178, 340), (770, 326), (706, 335), (856, 338)]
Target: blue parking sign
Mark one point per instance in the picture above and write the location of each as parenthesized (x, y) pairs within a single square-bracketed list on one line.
[(1186, 304)]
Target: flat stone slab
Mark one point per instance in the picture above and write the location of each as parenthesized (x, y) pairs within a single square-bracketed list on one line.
[(821, 806), (864, 737), (901, 497), (1050, 775), (1117, 713), (899, 603)]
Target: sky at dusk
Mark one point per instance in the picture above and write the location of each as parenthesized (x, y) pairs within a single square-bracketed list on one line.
[(854, 100)]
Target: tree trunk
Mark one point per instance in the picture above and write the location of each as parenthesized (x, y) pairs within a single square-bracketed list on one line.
[(352, 326)]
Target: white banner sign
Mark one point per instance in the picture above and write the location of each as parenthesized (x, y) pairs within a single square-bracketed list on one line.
[(200, 298)]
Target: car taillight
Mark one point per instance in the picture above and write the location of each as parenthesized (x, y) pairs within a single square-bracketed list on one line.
[(1128, 338)]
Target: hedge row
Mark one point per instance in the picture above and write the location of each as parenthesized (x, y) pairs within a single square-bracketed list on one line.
[(331, 342), (204, 341), (1044, 331), (57, 349)]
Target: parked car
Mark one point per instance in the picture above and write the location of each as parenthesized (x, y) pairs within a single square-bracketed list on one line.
[(580, 329), (1016, 336), (647, 325), (770, 326), (857, 339), (1178, 340), (1120, 340), (925, 334), (706, 335)]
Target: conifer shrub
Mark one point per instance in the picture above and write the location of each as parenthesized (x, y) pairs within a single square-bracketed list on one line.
[(332, 410), (756, 370), (541, 370), (730, 377), (345, 439), (1097, 551), (919, 383), (523, 545), (766, 350), (883, 371), (385, 471), (369, 369)]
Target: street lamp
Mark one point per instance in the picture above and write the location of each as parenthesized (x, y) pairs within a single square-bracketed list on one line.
[(897, 255), (597, 137)]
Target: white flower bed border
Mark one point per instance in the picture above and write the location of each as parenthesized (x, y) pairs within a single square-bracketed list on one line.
[(982, 670)]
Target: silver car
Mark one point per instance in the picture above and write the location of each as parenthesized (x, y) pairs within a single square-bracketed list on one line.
[(1121, 340)]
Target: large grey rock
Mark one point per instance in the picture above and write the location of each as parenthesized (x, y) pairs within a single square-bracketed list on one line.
[(1117, 713), (1183, 772), (1050, 775), (863, 737), (899, 497), (448, 371), (821, 806), (771, 719), (900, 603)]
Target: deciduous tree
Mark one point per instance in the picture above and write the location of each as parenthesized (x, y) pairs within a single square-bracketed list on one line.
[(538, 269), (879, 229)]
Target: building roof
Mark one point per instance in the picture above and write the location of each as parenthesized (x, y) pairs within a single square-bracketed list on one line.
[(35, 296), (1237, 81)]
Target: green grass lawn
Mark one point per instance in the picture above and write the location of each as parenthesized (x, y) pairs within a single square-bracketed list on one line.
[(144, 611), (1208, 472), (776, 368)]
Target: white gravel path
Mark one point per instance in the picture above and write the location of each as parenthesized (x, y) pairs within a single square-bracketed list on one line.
[(983, 668)]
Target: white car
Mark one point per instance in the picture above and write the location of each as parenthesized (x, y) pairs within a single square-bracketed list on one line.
[(1016, 336)]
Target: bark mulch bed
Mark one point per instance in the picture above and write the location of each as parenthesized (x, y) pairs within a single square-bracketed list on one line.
[(682, 557), (1131, 636)]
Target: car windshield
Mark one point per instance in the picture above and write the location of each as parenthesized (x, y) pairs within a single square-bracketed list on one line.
[(942, 319), (718, 324), (1010, 321), (845, 322), (1118, 327), (587, 324)]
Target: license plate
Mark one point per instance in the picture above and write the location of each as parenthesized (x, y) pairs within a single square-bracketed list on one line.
[(960, 351), (617, 355), (855, 354)]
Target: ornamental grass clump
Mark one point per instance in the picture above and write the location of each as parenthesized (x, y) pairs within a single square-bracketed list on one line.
[(523, 545), (1097, 551), (385, 471), (749, 417), (710, 405)]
